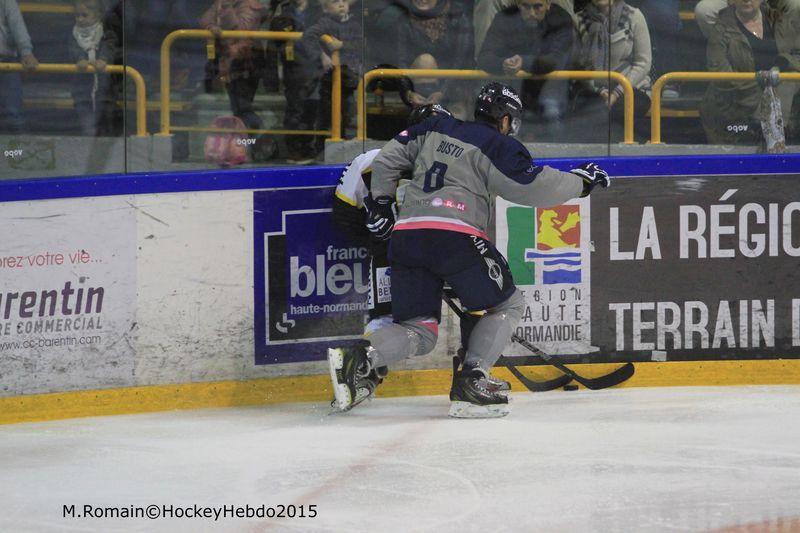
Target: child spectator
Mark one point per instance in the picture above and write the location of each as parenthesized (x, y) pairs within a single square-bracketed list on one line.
[(348, 39), (91, 92), (15, 45), (241, 61)]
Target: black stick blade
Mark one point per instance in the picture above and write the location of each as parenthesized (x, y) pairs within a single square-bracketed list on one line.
[(537, 386), (612, 379)]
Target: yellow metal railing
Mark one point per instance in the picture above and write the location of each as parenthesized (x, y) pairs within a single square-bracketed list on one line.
[(336, 92), (658, 86), (132, 73), (54, 8), (483, 75)]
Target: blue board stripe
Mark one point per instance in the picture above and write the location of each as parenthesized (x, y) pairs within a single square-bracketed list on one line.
[(264, 178)]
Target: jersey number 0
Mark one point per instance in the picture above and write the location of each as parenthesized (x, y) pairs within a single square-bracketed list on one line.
[(434, 177)]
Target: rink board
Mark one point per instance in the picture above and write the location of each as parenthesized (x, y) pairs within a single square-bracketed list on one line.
[(126, 293)]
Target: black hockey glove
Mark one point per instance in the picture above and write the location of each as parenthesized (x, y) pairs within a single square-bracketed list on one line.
[(592, 175), (380, 216)]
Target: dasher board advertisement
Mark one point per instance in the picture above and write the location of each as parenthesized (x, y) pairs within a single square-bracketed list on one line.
[(702, 267), (549, 252), (311, 284), (68, 294)]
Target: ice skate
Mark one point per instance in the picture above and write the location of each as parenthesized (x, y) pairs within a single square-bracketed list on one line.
[(470, 396), (493, 383), (353, 376)]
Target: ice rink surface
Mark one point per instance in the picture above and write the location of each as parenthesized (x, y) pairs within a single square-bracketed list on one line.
[(629, 460)]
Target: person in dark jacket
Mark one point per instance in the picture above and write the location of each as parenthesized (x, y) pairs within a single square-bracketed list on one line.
[(426, 34), (535, 36), (742, 40), (300, 78), (348, 39)]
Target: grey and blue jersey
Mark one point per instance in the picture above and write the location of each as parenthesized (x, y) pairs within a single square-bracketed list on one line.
[(457, 166)]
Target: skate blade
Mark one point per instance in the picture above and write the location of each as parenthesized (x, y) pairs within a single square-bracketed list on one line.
[(342, 401), (471, 410)]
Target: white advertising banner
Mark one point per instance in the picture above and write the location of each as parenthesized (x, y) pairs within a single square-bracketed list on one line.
[(549, 252), (67, 294)]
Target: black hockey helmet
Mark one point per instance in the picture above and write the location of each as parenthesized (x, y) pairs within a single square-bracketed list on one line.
[(497, 100), (424, 112)]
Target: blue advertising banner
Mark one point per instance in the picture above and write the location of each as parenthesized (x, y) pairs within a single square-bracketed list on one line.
[(311, 284)]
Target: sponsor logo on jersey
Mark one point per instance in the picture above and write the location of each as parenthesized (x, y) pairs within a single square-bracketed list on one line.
[(438, 202), (495, 272), (544, 244)]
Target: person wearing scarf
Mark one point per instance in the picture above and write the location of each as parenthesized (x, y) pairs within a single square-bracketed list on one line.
[(614, 37), (87, 48)]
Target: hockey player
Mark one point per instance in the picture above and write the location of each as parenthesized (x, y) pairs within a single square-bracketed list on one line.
[(349, 216), (441, 236)]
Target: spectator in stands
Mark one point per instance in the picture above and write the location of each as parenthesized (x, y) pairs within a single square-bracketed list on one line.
[(91, 92), (241, 61), (153, 20), (742, 40), (15, 46), (706, 13), (348, 39), (614, 36), (786, 15), (534, 36), (301, 81), (485, 11), (428, 34), (664, 22)]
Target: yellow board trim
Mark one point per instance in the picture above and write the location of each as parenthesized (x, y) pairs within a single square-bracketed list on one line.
[(41, 407)]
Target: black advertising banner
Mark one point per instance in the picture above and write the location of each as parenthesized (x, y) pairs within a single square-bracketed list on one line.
[(701, 267)]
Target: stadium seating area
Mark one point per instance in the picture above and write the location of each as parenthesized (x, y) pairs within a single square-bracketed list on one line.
[(275, 87)]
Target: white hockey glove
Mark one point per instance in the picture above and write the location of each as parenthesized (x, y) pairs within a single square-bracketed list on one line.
[(381, 214), (592, 175)]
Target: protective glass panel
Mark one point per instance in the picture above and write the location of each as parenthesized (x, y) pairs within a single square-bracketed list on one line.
[(446, 50), (721, 78), (58, 116)]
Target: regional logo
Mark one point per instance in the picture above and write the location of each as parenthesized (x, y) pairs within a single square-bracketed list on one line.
[(545, 245)]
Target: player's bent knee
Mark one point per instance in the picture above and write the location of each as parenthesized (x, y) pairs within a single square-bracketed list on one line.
[(425, 331), (514, 307)]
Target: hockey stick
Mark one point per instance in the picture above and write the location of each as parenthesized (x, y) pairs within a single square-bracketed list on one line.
[(611, 379), (531, 385), (616, 377)]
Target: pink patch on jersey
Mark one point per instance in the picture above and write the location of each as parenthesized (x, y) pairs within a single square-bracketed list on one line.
[(431, 325)]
